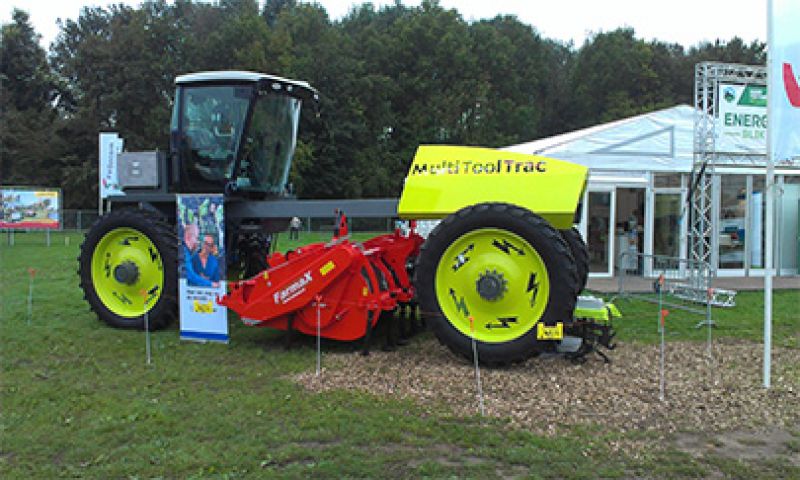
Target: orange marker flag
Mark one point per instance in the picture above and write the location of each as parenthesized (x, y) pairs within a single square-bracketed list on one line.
[(664, 313)]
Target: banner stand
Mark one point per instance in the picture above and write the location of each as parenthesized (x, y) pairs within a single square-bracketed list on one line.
[(201, 264)]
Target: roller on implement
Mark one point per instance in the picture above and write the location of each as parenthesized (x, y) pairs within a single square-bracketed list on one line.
[(503, 268)]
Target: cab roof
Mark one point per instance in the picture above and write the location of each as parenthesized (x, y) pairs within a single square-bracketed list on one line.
[(238, 76)]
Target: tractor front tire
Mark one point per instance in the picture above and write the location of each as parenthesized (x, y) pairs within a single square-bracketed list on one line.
[(128, 267), (491, 272), (580, 253)]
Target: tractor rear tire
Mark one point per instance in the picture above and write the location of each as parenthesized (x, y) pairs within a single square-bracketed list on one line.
[(127, 267), (254, 249), (580, 253), (492, 272)]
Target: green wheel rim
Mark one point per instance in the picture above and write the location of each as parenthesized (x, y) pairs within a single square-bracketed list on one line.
[(127, 272), (495, 280)]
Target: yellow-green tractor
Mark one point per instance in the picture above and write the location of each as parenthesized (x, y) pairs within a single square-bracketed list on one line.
[(502, 270)]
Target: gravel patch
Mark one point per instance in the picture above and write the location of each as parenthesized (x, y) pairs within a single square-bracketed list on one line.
[(549, 394)]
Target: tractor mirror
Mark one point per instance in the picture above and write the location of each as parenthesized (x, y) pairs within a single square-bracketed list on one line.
[(316, 105), (175, 145)]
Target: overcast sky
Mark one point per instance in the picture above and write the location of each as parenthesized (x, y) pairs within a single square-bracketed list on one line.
[(687, 22)]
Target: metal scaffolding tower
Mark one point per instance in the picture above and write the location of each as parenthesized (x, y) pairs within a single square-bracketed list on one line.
[(707, 78)]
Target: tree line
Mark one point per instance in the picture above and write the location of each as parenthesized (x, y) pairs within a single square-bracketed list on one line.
[(390, 78)]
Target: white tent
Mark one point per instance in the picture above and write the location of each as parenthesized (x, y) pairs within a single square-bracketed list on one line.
[(639, 167), (658, 141)]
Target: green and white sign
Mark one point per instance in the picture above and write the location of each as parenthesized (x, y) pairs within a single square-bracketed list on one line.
[(742, 121)]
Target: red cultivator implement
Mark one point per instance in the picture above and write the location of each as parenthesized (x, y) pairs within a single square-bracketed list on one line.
[(340, 287)]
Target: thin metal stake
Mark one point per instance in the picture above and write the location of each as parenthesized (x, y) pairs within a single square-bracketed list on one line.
[(30, 298), (477, 366), (319, 342), (147, 333), (709, 323), (661, 315), (143, 293), (662, 395)]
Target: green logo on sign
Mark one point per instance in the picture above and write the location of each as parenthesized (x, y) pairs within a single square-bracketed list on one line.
[(753, 96)]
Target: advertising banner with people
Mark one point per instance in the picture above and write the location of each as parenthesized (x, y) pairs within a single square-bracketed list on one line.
[(22, 208), (201, 264)]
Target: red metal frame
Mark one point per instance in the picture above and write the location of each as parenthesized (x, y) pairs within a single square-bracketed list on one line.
[(348, 283)]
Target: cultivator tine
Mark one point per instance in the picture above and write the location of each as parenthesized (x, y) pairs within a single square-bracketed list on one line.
[(602, 355), (389, 325), (416, 320), (404, 332), (290, 333), (367, 336)]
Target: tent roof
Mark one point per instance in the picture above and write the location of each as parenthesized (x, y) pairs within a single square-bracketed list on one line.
[(658, 141)]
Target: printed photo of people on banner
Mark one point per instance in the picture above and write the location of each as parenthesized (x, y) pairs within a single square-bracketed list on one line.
[(201, 228)]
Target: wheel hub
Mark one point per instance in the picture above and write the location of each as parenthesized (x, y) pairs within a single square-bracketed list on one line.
[(126, 272), (491, 285)]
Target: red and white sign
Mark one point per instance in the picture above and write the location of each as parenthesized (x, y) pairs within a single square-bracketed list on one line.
[(784, 82)]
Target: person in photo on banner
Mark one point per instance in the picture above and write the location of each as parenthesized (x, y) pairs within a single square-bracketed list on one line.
[(189, 251), (205, 262), (200, 226)]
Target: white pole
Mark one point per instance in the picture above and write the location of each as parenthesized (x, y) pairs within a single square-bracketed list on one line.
[(770, 199)]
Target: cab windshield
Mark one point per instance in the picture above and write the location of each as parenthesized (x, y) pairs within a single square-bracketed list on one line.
[(214, 147), (211, 127), (269, 144)]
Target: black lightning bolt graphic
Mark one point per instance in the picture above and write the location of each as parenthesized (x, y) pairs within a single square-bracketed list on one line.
[(504, 323), (533, 286), (461, 305), (123, 298), (127, 240), (462, 257), (507, 246), (151, 294)]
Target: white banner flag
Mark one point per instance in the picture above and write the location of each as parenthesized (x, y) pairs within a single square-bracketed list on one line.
[(110, 147), (784, 82)]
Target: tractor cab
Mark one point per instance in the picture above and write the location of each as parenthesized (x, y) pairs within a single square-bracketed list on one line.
[(235, 132)]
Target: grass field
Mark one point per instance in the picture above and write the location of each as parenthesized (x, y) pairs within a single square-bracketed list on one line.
[(78, 400)]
